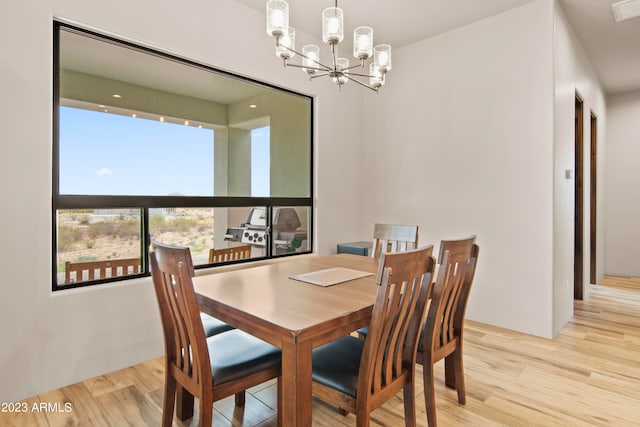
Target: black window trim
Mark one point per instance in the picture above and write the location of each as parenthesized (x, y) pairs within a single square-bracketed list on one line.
[(144, 203)]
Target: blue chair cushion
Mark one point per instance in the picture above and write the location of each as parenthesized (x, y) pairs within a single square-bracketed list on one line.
[(363, 331), (336, 364), (213, 326), (235, 354)]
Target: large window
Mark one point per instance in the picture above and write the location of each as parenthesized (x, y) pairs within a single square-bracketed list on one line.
[(151, 147)]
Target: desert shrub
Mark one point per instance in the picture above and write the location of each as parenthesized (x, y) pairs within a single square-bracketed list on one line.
[(129, 228), (101, 228), (182, 225), (114, 228), (158, 223), (67, 236)]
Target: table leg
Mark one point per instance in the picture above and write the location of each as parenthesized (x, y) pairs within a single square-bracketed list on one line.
[(296, 384)]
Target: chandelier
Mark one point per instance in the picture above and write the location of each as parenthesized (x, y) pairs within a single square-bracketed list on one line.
[(339, 70)]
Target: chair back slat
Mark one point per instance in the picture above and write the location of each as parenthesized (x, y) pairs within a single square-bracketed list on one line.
[(185, 342), (393, 238), (404, 280)]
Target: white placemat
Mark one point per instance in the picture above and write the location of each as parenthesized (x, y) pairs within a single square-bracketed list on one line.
[(331, 276)]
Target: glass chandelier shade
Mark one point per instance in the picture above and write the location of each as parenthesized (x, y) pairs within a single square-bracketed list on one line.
[(342, 65), (277, 17), (310, 58), (382, 57), (362, 43), (338, 68), (287, 44), (332, 25), (376, 79)]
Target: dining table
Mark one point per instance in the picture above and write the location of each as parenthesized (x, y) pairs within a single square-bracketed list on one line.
[(293, 315)]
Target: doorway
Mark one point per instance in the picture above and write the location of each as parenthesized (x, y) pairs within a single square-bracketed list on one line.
[(578, 235)]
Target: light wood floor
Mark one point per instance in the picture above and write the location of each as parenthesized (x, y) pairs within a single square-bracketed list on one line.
[(588, 375)]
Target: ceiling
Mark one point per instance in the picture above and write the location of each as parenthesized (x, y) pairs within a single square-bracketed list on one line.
[(99, 58), (397, 22), (613, 48)]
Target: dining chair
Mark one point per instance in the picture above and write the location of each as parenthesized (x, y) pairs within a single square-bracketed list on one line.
[(208, 368), (442, 334), (359, 376), (211, 325), (393, 238), (229, 254)]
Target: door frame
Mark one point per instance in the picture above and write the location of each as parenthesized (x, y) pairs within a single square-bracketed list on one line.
[(578, 228), (593, 199)]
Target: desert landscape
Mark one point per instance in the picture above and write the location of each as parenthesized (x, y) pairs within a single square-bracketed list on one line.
[(100, 235)]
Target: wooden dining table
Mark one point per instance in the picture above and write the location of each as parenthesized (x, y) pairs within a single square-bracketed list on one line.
[(292, 315)]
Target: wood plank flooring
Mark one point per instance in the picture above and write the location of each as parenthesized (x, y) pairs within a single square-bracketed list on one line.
[(588, 375)]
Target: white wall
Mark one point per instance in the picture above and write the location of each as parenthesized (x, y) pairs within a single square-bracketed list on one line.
[(460, 142), (573, 72), (623, 185), (50, 340)]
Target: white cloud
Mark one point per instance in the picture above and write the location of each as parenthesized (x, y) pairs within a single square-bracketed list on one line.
[(104, 172)]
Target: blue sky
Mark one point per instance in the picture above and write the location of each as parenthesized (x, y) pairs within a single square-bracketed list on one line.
[(111, 154), (260, 162)]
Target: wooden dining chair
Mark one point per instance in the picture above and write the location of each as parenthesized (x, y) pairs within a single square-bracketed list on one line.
[(211, 325), (358, 376), (393, 238), (208, 368), (442, 334), (229, 254)]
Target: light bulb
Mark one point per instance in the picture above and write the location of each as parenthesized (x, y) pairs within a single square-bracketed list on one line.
[(333, 25)]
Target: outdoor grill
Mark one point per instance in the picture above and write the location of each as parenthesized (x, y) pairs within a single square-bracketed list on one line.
[(285, 227)]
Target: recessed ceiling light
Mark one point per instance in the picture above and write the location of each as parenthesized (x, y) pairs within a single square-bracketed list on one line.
[(102, 106), (253, 106), (133, 115), (626, 9), (117, 95), (161, 119), (186, 122)]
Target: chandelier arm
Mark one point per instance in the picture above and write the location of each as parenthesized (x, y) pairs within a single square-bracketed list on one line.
[(308, 68), (315, 76), (361, 75), (361, 84), (322, 66), (352, 67)]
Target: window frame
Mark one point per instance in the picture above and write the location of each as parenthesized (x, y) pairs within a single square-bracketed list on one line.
[(144, 203)]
